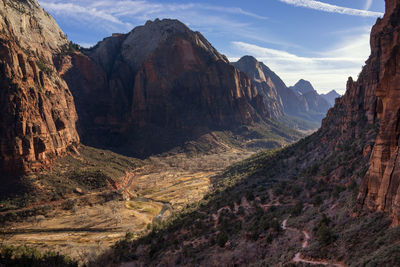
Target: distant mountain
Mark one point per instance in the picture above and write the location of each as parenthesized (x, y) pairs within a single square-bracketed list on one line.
[(298, 102), (268, 84), (302, 87), (315, 102), (330, 97), (160, 82)]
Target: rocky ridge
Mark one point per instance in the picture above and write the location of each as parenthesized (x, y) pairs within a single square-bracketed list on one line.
[(300, 101)]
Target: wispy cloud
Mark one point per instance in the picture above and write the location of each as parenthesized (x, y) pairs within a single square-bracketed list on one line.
[(328, 70), (116, 11), (317, 5), (123, 15), (368, 4)]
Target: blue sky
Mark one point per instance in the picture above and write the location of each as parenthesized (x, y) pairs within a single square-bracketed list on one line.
[(322, 41)]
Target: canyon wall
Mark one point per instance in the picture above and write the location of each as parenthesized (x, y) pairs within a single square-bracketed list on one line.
[(38, 116)]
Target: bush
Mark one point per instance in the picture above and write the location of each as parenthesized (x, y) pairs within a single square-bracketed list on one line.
[(317, 200), (297, 209), (222, 238)]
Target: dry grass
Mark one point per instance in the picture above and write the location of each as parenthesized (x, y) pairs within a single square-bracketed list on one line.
[(83, 232)]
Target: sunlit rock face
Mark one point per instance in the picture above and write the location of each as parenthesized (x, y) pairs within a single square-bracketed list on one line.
[(38, 116), (381, 188)]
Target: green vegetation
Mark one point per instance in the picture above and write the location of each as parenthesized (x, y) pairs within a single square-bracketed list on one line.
[(44, 66), (70, 47), (90, 169), (26, 256)]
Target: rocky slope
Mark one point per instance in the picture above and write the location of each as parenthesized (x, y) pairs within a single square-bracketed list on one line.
[(381, 188), (330, 97), (38, 115), (156, 83)]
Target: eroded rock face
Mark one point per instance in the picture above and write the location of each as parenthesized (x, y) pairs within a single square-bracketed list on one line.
[(38, 115), (381, 188), (160, 75), (268, 84)]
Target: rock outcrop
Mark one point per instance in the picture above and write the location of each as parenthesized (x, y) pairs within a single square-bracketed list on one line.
[(160, 77), (38, 116), (381, 187)]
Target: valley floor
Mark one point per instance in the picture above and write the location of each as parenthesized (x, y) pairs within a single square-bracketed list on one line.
[(82, 226)]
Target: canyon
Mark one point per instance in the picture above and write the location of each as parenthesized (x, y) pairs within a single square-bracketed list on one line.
[(151, 148)]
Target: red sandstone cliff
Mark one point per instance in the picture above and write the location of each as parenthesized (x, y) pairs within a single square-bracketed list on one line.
[(37, 110), (381, 188)]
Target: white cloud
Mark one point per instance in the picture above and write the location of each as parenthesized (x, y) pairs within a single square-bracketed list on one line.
[(329, 70), (317, 5), (117, 11)]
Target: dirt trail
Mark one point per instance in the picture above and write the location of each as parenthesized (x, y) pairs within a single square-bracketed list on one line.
[(299, 258)]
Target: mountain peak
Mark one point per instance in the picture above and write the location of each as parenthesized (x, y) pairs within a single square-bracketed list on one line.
[(47, 38), (331, 96), (303, 87), (137, 45), (248, 60)]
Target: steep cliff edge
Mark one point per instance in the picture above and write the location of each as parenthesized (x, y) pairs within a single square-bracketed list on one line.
[(38, 115), (381, 188)]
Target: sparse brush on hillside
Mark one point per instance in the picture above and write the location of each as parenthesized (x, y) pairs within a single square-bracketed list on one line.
[(315, 187)]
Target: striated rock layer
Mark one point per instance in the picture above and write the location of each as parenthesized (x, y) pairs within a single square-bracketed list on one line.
[(381, 188), (37, 110), (159, 76)]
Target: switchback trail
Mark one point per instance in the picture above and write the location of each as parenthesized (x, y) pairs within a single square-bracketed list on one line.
[(299, 258)]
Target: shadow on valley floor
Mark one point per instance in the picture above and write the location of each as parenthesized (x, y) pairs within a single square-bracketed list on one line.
[(154, 140)]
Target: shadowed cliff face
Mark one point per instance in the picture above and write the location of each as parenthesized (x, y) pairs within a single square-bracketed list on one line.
[(159, 76), (381, 188), (38, 115), (268, 84)]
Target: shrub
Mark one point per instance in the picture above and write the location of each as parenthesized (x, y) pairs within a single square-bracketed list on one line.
[(297, 209), (222, 238)]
